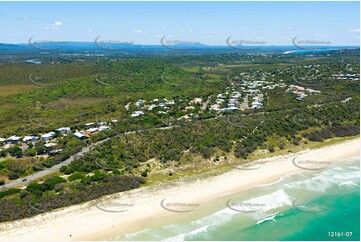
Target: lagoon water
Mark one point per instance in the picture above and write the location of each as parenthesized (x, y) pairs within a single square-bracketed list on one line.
[(313, 205)]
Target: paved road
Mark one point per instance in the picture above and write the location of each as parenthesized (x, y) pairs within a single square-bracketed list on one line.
[(26, 180), (205, 104)]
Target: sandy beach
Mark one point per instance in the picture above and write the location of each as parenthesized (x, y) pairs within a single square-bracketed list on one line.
[(131, 211)]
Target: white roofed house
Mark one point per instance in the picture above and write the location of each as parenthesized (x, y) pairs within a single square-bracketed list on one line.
[(137, 114), (50, 145), (140, 103), (63, 130), (256, 104), (92, 130), (32, 139), (79, 135), (197, 100), (151, 107), (48, 136), (104, 127), (13, 140)]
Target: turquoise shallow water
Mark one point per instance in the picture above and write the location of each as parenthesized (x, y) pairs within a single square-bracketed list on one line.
[(317, 205)]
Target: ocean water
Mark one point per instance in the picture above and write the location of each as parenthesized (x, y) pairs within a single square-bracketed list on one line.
[(314, 205)]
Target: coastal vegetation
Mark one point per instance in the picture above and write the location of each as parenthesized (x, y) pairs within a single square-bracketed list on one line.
[(160, 142)]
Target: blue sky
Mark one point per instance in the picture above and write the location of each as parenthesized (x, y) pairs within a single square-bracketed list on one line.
[(274, 23)]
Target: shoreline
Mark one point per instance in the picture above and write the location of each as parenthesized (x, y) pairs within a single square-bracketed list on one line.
[(134, 208)]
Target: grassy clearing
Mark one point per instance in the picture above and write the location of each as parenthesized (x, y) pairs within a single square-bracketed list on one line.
[(15, 89)]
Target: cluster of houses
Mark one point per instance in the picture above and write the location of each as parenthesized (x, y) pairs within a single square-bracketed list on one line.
[(301, 92), (155, 104), (228, 100), (90, 130)]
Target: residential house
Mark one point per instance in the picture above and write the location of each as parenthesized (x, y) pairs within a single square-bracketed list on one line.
[(54, 152), (137, 114), (32, 139), (63, 130), (13, 140), (79, 135), (197, 100), (48, 136), (104, 127)]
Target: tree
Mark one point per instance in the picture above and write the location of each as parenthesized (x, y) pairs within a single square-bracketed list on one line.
[(16, 151), (75, 176), (30, 152)]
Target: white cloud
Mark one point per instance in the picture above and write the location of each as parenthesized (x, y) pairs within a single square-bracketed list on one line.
[(355, 30), (136, 31), (53, 26), (58, 23)]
